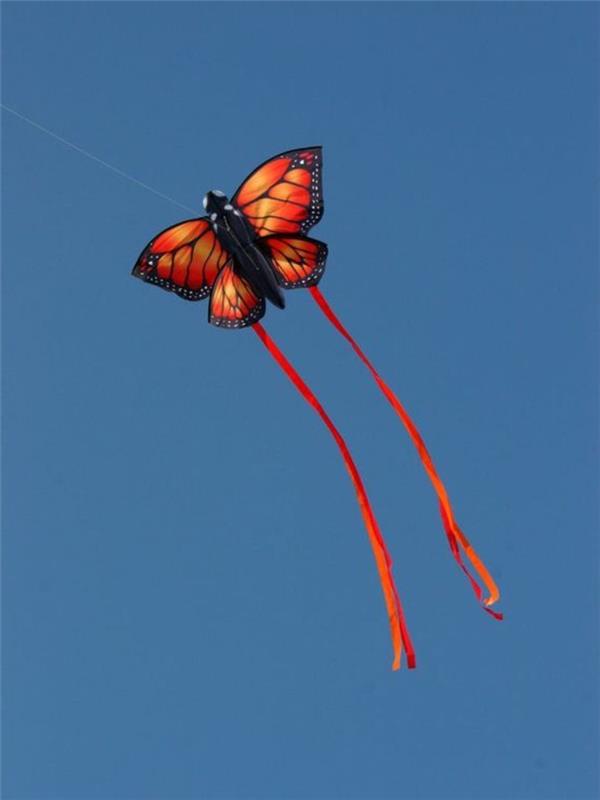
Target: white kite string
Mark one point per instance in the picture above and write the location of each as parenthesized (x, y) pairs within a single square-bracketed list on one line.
[(95, 158)]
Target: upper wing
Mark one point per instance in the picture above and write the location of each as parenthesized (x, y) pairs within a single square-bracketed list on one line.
[(284, 195), (185, 258), (233, 302), (298, 261)]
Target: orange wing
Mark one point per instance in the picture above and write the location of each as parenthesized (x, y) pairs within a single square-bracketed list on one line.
[(185, 258), (284, 195), (233, 302), (298, 261)]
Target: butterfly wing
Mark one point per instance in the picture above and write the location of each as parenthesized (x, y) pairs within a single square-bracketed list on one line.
[(285, 194), (298, 262), (185, 258), (233, 302)]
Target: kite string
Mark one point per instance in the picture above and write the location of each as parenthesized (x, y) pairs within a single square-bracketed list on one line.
[(91, 156), (454, 533), (399, 630)]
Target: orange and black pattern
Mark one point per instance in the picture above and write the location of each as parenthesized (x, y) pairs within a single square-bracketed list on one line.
[(233, 302), (185, 258), (284, 195), (298, 262)]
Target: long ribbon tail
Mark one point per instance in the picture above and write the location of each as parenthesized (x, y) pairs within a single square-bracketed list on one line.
[(456, 538), (400, 636)]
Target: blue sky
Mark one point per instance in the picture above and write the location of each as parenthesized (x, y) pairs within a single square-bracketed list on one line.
[(190, 604)]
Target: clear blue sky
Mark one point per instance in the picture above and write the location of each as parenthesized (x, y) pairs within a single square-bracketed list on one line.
[(191, 608)]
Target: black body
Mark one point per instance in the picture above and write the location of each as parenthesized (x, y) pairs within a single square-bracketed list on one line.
[(237, 236)]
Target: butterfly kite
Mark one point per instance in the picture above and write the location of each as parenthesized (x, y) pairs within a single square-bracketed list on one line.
[(243, 252)]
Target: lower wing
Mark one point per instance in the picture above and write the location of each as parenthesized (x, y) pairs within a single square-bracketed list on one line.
[(298, 262), (233, 302)]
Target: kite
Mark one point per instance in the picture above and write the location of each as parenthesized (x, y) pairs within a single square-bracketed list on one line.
[(246, 250)]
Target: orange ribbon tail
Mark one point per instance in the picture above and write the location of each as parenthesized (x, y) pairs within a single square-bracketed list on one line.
[(456, 538), (399, 631)]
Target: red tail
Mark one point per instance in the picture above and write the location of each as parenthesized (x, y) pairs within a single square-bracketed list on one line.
[(455, 535), (400, 635)]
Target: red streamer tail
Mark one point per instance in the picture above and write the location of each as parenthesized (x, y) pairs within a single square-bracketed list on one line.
[(399, 631), (456, 538)]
